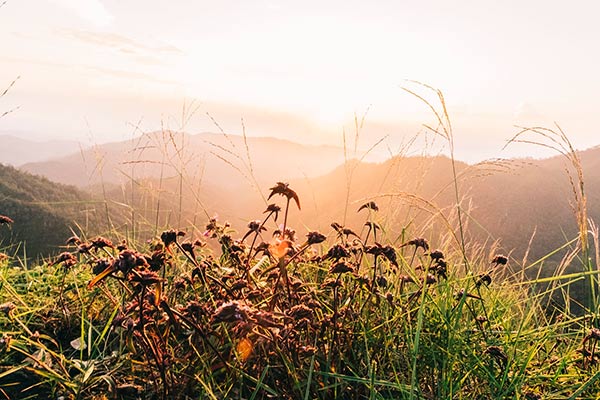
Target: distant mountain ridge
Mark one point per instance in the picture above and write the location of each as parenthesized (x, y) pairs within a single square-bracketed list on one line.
[(215, 158), (17, 150), (176, 179)]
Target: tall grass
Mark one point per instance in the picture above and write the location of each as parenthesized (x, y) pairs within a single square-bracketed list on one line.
[(376, 314)]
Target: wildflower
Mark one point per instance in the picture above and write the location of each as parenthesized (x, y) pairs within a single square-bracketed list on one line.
[(100, 243), (66, 258), (239, 284), (157, 260), (371, 205), (232, 311), (84, 248), (4, 220), (254, 227), (6, 308), (315, 238), (390, 253), (336, 252), (342, 231), (430, 279), (170, 236), (331, 283), (381, 281), (436, 255), (145, 277), (458, 295), (273, 209), (418, 242), (128, 260), (500, 260), (373, 226), (283, 189), (483, 279), (340, 268), (594, 334), (300, 311)]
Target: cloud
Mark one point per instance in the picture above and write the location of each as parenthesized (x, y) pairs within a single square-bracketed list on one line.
[(120, 42), (92, 11)]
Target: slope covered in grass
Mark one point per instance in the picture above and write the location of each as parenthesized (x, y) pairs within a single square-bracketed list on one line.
[(287, 315), (44, 212)]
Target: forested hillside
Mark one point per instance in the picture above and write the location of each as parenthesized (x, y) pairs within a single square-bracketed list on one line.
[(44, 212)]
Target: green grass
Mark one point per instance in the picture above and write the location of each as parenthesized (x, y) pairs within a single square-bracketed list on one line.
[(380, 315), (233, 324)]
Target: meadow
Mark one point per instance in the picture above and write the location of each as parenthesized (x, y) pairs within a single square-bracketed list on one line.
[(355, 312)]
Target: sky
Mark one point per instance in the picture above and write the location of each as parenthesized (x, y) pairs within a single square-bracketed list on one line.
[(104, 70)]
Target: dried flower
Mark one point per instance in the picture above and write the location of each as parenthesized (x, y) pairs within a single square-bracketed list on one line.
[(273, 209), (66, 258), (371, 205), (6, 308), (483, 279), (340, 268), (170, 236), (101, 242), (5, 220), (315, 238), (500, 260), (336, 252), (283, 189), (418, 242), (232, 311), (436, 255)]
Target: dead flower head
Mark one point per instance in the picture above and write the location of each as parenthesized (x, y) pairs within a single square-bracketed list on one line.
[(67, 259), (4, 220), (371, 205), (500, 260), (340, 268), (418, 242), (170, 236), (283, 189), (315, 238)]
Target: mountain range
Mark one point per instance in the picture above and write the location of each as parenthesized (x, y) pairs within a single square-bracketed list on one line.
[(18, 150), (179, 180)]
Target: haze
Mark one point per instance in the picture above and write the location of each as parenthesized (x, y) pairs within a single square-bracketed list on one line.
[(102, 70)]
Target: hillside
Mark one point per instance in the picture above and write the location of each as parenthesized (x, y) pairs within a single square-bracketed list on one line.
[(44, 212)]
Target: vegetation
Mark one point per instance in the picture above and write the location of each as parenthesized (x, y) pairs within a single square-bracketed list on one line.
[(286, 318), (45, 212), (365, 310)]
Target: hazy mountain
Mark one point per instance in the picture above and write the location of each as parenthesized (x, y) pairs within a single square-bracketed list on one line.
[(208, 174), (503, 200), (18, 150), (212, 158)]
